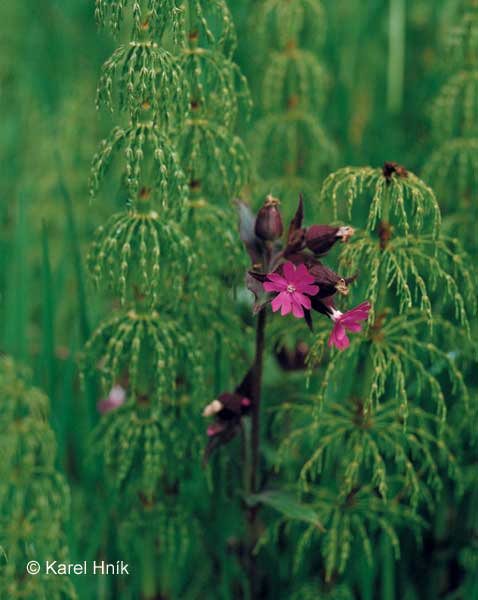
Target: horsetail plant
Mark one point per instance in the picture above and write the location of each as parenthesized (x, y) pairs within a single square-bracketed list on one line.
[(452, 169), (145, 355), (372, 453), (453, 166), (292, 150), (34, 497), (360, 434), (216, 164)]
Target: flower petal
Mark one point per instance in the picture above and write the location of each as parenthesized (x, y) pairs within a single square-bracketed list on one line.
[(343, 343), (286, 303), (276, 278), (282, 301), (276, 303), (308, 289), (301, 299), (271, 286), (360, 312), (302, 275), (338, 337), (352, 326), (339, 331), (288, 270), (357, 315), (297, 309)]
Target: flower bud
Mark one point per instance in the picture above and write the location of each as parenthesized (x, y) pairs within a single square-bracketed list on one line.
[(329, 282), (321, 238), (269, 226), (391, 168)]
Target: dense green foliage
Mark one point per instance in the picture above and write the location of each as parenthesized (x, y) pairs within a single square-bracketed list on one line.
[(123, 298)]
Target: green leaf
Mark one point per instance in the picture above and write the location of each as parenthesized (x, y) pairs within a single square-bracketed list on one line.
[(288, 505)]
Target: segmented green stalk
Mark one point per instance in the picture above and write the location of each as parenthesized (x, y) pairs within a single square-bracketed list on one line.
[(452, 168), (292, 150), (216, 164), (384, 442), (144, 257), (179, 164), (34, 497)]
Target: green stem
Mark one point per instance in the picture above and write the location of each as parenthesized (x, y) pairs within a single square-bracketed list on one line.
[(368, 368), (396, 60)]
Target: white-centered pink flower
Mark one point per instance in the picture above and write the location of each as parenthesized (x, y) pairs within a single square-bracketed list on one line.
[(349, 321), (294, 287)]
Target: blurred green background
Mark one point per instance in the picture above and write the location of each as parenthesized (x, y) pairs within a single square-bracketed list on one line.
[(385, 62)]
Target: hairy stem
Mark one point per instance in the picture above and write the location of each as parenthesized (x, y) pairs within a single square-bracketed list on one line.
[(255, 451), (256, 398)]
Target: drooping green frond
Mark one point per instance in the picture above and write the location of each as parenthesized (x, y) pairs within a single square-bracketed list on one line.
[(416, 268), (452, 167), (214, 227), (128, 253), (375, 446), (463, 39), (148, 16), (209, 149), (150, 349), (217, 89), (139, 444), (213, 157), (150, 163), (453, 170), (294, 76), (411, 204), (403, 364), (356, 521), (164, 524), (293, 146), (282, 24), (455, 112), (211, 25), (34, 497), (350, 524), (143, 76)]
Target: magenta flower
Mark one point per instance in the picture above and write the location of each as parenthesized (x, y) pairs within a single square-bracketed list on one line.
[(294, 287), (349, 321), (116, 398)]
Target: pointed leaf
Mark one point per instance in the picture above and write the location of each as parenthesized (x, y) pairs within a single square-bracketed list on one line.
[(296, 235), (261, 297), (288, 505), (247, 220)]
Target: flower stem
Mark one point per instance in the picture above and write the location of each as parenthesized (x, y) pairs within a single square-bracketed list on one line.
[(255, 451), (256, 397)]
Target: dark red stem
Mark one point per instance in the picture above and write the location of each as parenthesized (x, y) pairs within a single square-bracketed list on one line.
[(255, 448)]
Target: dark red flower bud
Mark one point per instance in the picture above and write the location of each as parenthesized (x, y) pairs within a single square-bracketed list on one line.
[(329, 282), (227, 411), (321, 238), (269, 226), (228, 407), (391, 168)]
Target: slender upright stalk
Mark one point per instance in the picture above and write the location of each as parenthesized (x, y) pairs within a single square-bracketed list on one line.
[(255, 449), (396, 60), (256, 398)]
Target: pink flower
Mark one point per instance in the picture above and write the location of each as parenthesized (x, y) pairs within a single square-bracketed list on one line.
[(347, 321), (294, 287), (116, 398)]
